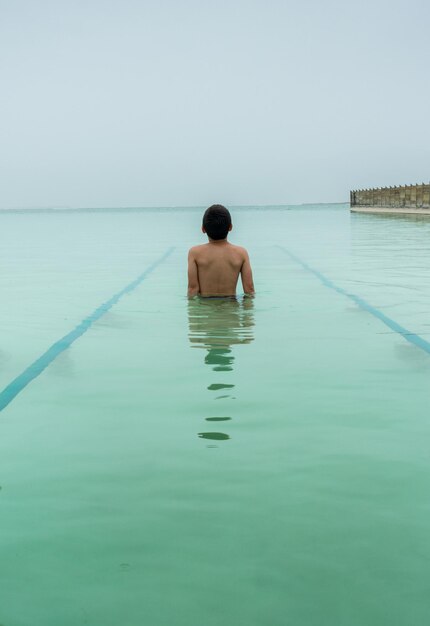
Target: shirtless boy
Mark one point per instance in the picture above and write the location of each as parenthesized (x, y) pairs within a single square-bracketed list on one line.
[(214, 267)]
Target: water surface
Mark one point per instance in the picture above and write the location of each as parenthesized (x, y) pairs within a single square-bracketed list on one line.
[(252, 462)]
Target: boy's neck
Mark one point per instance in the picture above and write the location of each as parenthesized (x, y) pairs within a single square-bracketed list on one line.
[(217, 241)]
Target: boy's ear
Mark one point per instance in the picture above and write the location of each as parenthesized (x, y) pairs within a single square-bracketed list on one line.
[(203, 229), (230, 227)]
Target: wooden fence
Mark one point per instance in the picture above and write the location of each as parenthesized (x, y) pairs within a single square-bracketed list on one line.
[(409, 196)]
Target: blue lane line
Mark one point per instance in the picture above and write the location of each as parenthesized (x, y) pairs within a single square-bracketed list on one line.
[(20, 382), (416, 340)]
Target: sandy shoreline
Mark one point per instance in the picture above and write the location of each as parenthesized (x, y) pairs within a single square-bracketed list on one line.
[(391, 210)]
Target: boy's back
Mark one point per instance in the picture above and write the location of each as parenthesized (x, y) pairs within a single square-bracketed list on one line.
[(214, 267)]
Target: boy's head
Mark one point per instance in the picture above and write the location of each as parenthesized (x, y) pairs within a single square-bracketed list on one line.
[(217, 222)]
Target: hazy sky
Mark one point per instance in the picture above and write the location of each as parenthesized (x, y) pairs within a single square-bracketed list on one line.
[(189, 102)]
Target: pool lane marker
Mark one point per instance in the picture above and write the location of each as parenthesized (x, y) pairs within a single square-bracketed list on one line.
[(413, 338), (32, 371)]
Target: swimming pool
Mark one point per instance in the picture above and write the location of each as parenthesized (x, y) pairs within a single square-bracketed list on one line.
[(253, 462)]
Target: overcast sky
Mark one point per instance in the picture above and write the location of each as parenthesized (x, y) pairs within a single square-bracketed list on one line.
[(189, 102)]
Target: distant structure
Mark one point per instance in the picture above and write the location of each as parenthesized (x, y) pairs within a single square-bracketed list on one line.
[(403, 199)]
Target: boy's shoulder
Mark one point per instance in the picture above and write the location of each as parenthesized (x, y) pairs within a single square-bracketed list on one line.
[(240, 249), (196, 249)]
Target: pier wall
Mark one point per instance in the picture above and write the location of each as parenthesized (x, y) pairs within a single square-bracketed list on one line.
[(406, 196)]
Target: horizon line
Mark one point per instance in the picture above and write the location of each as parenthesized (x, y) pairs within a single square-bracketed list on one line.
[(160, 206)]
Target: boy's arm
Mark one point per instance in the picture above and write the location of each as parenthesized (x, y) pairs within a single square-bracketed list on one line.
[(246, 276), (193, 275)]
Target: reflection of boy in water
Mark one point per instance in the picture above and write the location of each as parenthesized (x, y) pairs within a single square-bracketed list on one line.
[(214, 267), (216, 325)]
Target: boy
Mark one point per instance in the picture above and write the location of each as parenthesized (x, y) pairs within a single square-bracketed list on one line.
[(214, 267)]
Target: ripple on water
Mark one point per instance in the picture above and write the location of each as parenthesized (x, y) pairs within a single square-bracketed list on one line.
[(217, 386), (217, 419), (216, 436)]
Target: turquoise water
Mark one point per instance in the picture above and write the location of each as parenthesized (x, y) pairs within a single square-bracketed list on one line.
[(254, 462)]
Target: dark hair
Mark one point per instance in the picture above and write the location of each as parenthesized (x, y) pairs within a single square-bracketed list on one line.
[(217, 221)]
